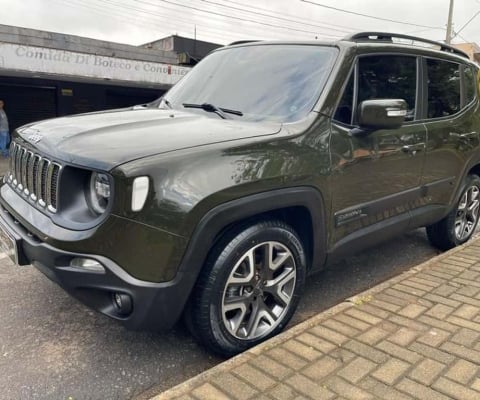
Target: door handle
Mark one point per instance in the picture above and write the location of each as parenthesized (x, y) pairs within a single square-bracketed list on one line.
[(467, 135), (413, 148)]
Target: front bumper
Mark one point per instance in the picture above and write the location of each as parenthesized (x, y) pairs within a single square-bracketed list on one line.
[(155, 306)]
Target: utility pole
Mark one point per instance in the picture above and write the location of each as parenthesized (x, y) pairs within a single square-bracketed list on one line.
[(195, 43), (448, 39)]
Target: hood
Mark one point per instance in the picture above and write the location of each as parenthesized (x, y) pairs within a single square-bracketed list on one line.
[(106, 139)]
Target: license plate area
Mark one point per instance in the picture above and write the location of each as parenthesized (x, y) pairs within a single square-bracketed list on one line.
[(8, 245)]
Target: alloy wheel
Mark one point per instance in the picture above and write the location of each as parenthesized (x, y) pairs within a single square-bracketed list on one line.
[(259, 290), (467, 213)]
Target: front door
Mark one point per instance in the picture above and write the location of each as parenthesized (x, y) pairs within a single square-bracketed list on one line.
[(376, 177)]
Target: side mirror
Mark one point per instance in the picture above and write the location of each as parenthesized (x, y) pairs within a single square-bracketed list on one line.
[(382, 114)]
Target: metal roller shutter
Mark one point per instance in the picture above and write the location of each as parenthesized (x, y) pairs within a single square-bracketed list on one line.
[(25, 104), (116, 99)]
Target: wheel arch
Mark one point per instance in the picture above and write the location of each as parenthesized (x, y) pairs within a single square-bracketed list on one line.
[(301, 207), (298, 217), (290, 205), (474, 169)]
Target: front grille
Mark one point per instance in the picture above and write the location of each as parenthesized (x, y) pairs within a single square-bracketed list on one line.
[(34, 176)]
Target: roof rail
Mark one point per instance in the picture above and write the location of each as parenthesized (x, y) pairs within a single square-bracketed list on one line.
[(242, 42), (388, 37)]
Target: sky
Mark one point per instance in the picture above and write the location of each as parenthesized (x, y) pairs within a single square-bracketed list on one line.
[(223, 21)]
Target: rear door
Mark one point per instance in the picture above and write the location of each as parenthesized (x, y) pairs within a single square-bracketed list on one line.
[(452, 124)]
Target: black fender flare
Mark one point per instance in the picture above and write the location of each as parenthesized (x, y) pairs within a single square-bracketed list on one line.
[(225, 214), (470, 165)]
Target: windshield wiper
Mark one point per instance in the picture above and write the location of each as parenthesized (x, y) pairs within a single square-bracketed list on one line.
[(212, 108)]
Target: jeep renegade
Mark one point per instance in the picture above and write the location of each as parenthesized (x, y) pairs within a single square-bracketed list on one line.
[(268, 161)]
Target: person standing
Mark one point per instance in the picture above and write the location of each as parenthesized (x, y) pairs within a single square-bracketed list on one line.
[(4, 134)]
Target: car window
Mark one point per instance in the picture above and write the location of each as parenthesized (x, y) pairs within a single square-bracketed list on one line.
[(381, 77), (344, 110), (388, 77), (443, 88), (469, 84), (264, 82)]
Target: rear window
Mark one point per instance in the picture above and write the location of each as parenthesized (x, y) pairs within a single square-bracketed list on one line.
[(470, 84), (443, 88)]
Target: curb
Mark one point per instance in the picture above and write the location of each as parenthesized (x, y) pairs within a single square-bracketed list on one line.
[(185, 387)]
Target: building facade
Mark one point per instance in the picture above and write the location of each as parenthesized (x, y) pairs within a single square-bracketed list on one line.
[(472, 49), (46, 74)]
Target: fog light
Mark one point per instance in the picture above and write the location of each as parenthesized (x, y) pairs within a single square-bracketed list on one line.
[(87, 264), (122, 303)]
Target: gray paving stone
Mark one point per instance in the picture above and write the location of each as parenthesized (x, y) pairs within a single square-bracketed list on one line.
[(416, 338), (427, 371), (357, 369), (462, 371), (455, 390), (391, 371)]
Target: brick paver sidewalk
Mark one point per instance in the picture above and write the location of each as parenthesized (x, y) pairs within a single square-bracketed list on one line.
[(413, 337)]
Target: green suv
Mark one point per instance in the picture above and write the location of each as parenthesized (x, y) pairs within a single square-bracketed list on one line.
[(268, 161)]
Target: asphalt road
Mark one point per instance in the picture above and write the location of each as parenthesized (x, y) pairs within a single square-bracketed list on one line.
[(52, 347)]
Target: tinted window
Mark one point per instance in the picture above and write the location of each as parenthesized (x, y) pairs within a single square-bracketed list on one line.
[(280, 82), (388, 77), (345, 107), (469, 84), (443, 88)]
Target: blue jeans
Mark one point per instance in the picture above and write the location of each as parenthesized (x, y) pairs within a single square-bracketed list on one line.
[(4, 141)]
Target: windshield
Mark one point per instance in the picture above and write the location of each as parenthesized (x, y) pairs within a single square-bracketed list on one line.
[(275, 82)]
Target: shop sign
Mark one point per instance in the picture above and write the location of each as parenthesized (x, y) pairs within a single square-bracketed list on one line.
[(62, 62)]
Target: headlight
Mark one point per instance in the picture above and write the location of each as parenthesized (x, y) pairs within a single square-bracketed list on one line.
[(99, 192)]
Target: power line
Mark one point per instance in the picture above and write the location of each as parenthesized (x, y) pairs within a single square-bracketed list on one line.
[(170, 19), (222, 21), (102, 11), (272, 16), (348, 28), (284, 34), (238, 18), (463, 38), (414, 32), (260, 19), (464, 26), (369, 16), (142, 22), (125, 12)]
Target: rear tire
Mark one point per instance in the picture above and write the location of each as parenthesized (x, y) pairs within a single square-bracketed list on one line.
[(249, 287), (458, 226)]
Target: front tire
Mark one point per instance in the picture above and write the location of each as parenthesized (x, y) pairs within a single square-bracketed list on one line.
[(458, 226), (249, 288)]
